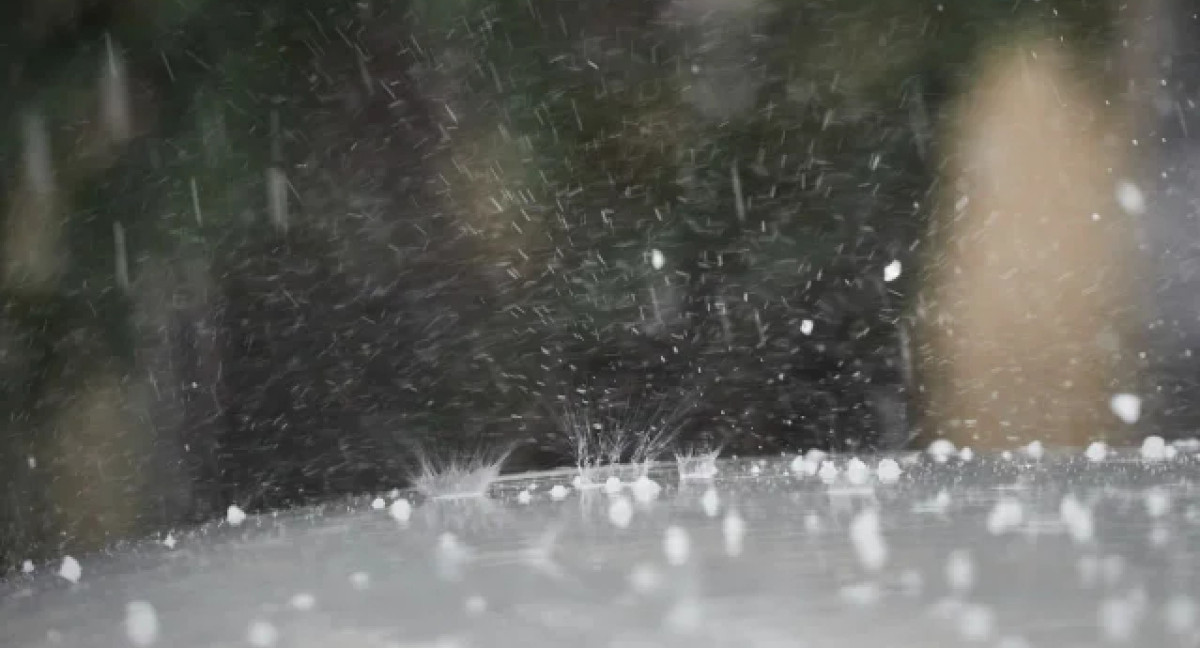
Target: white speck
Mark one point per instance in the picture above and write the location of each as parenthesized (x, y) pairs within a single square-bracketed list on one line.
[(812, 522), (657, 260), (755, 469), (27, 567), (828, 472), (303, 601), (400, 510), (1006, 515), (976, 623), (1035, 450), (1157, 501), (960, 571), (1179, 614), (612, 485), (940, 450), (1126, 407), (360, 580), (262, 634), (888, 471), (378, 503), (32, 461), (1130, 197), (1006, 455), (620, 512), (645, 489), (475, 605), (868, 540), (169, 542), (1078, 519), (70, 570), (1118, 619), (1153, 448), (891, 271), (645, 578), (966, 455), (559, 492), (677, 545), (524, 497), (235, 515), (1096, 451), (863, 594), (806, 327), (141, 623), (710, 502), (1170, 452), (734, 530), (857, 472)]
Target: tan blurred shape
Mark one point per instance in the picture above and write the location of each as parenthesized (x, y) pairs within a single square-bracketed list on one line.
[(1021, 323)]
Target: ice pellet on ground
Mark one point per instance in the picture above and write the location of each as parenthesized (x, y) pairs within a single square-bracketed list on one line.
[(733, 528), (1157, 501), (27, 567), (966, 454), (806, 327), (524, 497), (677, 545), (235, 515), (645, 489), (1097, 451), (612, 485), (1126, 407), (262, 634), (891, 271), (1179, 614), (857, 472), (378, 504), (302, 601), (1118, 618), (1077, 518), (1154, 448), (940, 449), (888, 470), (141, 623), (620, 512), (169, 541), (710, 501), (976, 623), (960, 571), (1130, 198), (867, 538), (400, 510), (1035, 450), (1006, 515), (70, 570), (558, 492), (828, 472)]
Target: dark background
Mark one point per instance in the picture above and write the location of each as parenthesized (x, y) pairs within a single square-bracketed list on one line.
[(473, 191)]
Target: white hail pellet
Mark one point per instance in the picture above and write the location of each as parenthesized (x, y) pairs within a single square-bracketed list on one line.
[(620, 512), (677, 545), (733, 528), (558, 492), (940, 449), (262, 634), (888, 470), (1154, 448), (378, 504), (867, 538), (400, 510), (141, 623), (235, 515), (302, 601), (70, 570), (710, 502), (857, 472), (1005, 516), (1126, 407), (1097, 451)]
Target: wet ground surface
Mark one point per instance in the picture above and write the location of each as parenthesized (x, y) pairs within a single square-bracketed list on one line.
[(1030, 548)]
